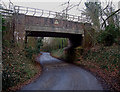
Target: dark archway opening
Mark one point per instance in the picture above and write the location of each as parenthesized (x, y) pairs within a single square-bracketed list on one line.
[(74, 40)]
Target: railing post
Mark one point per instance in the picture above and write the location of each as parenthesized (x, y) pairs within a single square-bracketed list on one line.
[(73, 17), (78, 18), (26, 11), (42, 13), (49, 14), (34, 12), (68, 16), (18, 9)]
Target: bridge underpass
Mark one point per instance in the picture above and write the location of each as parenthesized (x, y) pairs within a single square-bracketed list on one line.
[(74, 40), (56, 26)]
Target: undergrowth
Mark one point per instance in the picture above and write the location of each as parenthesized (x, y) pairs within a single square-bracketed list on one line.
[(16, 68), (104, 61)]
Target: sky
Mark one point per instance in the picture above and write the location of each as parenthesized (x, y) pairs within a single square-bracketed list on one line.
[(53, 5)]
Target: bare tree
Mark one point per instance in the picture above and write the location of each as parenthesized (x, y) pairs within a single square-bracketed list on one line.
[(69, 6), (109, 15), (93, 12)]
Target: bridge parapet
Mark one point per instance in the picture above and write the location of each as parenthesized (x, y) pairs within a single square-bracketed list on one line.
[(41, 23), (49, 14)]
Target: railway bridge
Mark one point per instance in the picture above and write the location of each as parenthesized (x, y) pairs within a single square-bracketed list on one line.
[(43, 23)]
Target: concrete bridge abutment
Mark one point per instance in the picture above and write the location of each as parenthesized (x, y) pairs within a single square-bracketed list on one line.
[(74, 42), (19, 30)]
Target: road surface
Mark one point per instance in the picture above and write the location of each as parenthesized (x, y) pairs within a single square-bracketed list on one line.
[(58, 75)]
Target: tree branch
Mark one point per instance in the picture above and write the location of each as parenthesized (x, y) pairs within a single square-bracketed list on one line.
[(110, 16), (71, 6)]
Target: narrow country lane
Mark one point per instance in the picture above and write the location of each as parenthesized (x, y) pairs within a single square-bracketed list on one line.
[(58, 75)]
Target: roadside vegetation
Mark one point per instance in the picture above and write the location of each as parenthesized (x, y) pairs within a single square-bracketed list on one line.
[(19, 65), (102, 61)]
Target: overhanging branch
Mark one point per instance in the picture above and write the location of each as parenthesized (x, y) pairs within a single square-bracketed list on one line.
[(110, 16)]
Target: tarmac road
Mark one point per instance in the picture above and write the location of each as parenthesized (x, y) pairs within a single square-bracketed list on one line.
[(58, 75)]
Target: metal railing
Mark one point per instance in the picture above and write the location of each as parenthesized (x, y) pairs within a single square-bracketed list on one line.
[(49, 14), (6, 12), (41, 13)]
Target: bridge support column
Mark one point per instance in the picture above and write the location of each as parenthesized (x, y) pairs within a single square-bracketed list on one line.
[(73, 43), (19, 30)]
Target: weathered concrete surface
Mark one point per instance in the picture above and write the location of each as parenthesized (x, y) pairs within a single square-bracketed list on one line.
[(24, 23), (53, 29), (33, 23), (58, 75), (19, 30), (70, 50)]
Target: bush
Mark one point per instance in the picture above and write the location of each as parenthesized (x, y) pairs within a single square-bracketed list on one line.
[(16, 68), (106, 38), (29, 52), (39, 45), (79, 51), (109, 35)]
